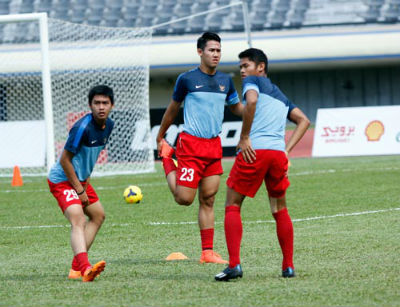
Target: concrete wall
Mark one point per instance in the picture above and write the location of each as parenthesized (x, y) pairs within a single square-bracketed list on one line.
[(313, 89)]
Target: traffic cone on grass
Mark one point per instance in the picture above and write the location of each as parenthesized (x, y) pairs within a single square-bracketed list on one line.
[(17, 179)]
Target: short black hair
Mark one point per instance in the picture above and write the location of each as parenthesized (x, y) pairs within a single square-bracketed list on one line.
[(205, 37), (255, 55), (101, 90)]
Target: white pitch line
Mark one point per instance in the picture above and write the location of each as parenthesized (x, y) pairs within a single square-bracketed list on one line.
[(193, 222), (162, 183), (293, 220), (97, 188)]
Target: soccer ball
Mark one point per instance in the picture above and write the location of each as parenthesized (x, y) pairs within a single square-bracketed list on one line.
[(133, 194)]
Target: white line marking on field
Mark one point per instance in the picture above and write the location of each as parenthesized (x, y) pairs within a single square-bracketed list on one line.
[(164, 183), (193, 222), (293, 220), (97, 188)]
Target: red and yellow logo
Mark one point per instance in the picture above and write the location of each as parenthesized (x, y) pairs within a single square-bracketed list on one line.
[(374, 130)]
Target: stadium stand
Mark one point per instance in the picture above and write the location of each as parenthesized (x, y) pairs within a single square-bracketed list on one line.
[(264, 14)]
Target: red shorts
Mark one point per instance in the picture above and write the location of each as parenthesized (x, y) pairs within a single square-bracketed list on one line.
[(270, 166), (197, 158), (66, 195)]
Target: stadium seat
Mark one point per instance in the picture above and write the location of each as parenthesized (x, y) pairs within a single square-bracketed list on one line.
[(261, 7), (196, 24), (263, 14), (114, 4), (60, 14), (144, 22), (390, 13), (93, 18), (237, 22), (164, 13), (9, 32), (295, 19), (4, 7), (372, 14), (96, 5), (300, 5), (78, 15), (130, 11), (277, 19), (43, 6), (26, 7), (213, 22), (258, 20)]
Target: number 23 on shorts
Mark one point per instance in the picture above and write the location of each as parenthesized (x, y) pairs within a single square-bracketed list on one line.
[(187, 174)]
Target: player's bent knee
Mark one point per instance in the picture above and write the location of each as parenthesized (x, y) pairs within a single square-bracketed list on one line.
[(183, 201)]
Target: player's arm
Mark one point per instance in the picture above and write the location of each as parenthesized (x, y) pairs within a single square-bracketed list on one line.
[(167, 120), (249, 155), (68, 167), (302, 123), (237, 109)]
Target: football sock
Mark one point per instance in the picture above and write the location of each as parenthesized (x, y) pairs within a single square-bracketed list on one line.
[(169, 165), (284, 230), (83, 261), (233, 234), (207, 238), (75, 264)]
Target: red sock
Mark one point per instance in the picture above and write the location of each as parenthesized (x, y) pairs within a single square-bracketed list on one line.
[(233, 234), (168, 165), (75, 264), (284, 230), (207, 238), (83, 261)]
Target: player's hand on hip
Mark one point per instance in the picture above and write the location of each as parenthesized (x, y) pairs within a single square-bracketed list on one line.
[(249, 154), (159, 143)]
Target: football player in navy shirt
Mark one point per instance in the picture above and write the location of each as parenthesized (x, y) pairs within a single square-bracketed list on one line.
[(204, 92), (69, 179), (262, 157)]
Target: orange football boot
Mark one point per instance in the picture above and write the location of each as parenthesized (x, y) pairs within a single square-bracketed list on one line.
[(209, 256), (92, 272)]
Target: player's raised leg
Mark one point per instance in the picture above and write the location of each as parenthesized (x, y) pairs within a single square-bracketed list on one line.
[(208, 187), (284, 231), (233, 235)]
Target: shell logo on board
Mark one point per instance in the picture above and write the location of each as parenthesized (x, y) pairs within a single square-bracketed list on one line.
[(374, 130)]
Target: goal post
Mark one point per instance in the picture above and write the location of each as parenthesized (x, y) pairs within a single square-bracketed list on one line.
[(47, 67)]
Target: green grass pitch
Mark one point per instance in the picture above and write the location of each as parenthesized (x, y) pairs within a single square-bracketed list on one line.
[(346, 217)]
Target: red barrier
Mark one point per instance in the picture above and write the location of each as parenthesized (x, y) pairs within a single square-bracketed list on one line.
[(304, 147)]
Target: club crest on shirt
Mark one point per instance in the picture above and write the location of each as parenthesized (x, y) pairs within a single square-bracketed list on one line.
[(222, 87), (105, 140)]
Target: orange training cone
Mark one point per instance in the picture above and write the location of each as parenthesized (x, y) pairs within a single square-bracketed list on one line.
[(17, 179), (176, 256)]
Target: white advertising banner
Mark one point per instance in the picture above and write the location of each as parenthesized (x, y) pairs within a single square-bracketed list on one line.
[(357, 131), (23, 144)]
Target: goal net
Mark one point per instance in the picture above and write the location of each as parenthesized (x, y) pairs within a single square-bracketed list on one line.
[(34, 128)]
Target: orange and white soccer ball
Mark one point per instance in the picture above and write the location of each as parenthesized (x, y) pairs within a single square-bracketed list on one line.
[(133, 194)]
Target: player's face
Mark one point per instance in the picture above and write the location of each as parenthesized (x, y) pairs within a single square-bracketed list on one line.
[(211, 55), (101, 107), (250, 68)]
